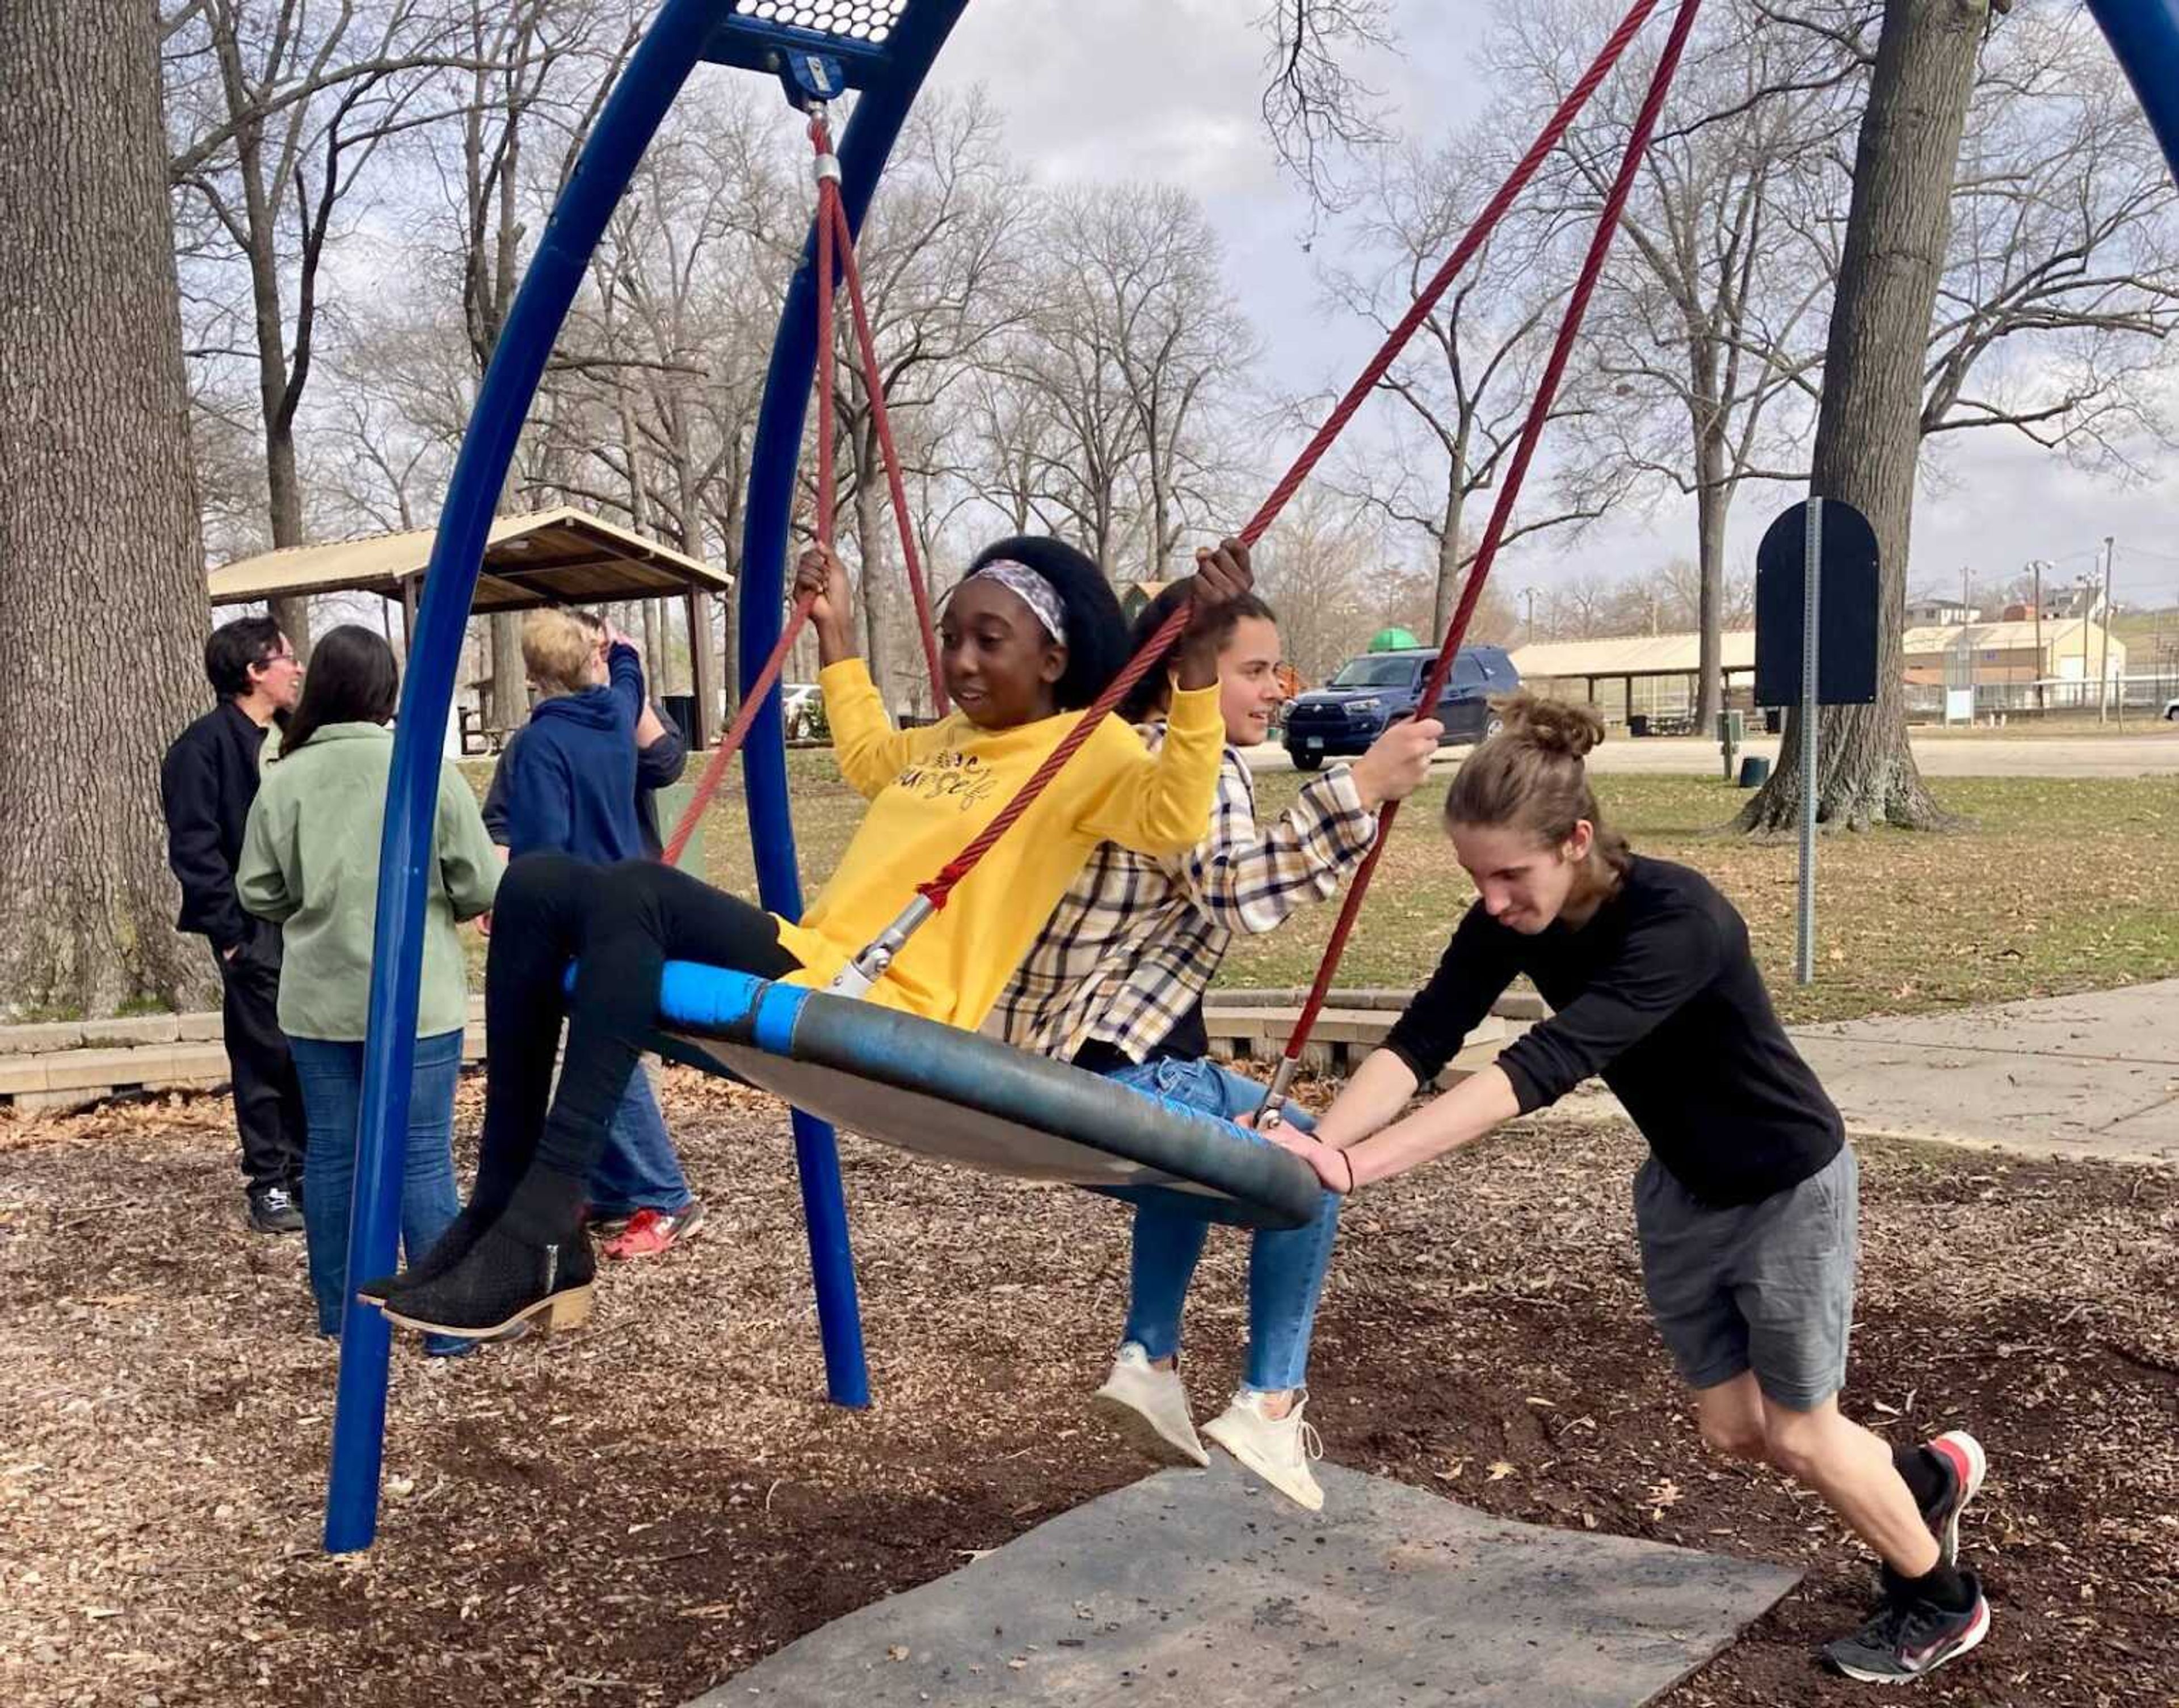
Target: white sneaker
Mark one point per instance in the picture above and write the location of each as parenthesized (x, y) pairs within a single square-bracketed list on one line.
[(1149, 1405), (1277, 1449)]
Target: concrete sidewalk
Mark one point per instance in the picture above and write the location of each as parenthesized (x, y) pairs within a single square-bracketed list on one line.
[(2089, 1076)]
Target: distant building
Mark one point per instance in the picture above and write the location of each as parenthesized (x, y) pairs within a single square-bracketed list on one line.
[(1940, 610), (1651, 676), (2060, 664)]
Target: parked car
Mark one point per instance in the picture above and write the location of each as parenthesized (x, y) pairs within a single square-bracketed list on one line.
[(1350, 712), (2172, 712)]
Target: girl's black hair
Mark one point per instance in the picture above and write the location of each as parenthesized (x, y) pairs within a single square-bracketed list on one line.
[(352, 679), (1148, 698), (1096, 631)]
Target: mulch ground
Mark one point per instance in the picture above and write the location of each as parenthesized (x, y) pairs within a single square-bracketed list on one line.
[(631, 1513)]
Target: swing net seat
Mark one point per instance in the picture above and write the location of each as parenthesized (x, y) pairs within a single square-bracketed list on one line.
[(934, 1090)]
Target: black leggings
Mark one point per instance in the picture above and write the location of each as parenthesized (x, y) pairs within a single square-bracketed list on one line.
[(621, 924)]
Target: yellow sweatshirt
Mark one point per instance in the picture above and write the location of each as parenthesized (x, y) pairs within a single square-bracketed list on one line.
[(931, 790)]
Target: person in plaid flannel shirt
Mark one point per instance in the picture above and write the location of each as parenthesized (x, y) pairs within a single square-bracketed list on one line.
[(1115, 984)]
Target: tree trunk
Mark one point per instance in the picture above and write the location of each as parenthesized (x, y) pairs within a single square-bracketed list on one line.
[(99, 541), (1868, 430), (507, 695), (1448, 553), (654, 651), (283, 485), (1712, 504)]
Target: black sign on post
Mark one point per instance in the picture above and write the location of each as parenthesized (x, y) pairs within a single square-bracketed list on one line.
[(1846, 615)]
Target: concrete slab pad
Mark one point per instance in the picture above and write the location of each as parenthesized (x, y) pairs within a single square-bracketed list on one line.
[(2094, 1075), (1205, 1588)]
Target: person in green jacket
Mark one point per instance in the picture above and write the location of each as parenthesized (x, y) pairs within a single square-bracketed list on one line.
[(310, 863)]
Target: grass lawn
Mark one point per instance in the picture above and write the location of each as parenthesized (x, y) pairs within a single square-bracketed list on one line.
[(2057, 887)]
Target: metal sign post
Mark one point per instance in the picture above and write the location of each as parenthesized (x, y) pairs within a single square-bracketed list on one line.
[(1805, 947)]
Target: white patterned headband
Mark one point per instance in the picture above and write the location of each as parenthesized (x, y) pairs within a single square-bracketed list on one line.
[(1031, 589)]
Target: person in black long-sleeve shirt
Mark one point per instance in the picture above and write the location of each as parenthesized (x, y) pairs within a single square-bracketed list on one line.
[(1747, 1206), (206, 783)]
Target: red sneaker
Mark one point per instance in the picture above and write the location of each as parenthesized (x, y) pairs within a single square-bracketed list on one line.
[(654, 1233)]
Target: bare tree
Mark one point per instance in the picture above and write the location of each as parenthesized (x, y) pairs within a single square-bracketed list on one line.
[(2061, 293), (99, 544), (536, 76), (284, 108), (1136, 353), (1315, 108), (1314, 567), (1467, 382)]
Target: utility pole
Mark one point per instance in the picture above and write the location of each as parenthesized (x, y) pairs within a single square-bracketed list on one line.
[(2103, 665), (1530, 594), (2035, 568), (1966, 604)]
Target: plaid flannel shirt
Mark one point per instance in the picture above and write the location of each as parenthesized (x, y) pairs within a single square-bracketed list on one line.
[(1132, 947)]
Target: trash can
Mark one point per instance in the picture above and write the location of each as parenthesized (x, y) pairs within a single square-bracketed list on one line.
[(1774, 719), (680, 710), (1755, 771), (1637, 724)]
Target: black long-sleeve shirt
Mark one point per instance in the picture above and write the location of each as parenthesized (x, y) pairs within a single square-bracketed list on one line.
[(1659, 995), (206, 783)]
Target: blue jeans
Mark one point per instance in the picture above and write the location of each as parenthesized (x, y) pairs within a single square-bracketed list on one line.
[(331, 1075), (638, 1169), (1287, 1266)]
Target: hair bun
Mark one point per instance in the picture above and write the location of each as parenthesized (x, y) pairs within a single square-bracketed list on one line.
[(1553, 726)]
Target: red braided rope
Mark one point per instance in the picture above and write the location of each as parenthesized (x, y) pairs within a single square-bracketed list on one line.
[(881, 419), (940, 888), (828, 197), (1600, 247)]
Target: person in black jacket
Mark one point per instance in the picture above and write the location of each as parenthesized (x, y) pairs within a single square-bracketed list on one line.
[(206, 783), (1748, 1207)]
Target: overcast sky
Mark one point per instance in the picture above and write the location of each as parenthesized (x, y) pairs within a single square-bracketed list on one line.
[(1168, 90)]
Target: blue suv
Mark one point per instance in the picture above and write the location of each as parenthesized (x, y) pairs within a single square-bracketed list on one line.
[(1351, 711)]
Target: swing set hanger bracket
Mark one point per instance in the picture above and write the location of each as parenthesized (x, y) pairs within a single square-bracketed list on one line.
[(811, 80)]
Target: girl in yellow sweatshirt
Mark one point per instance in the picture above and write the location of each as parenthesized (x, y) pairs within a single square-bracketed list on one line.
[(1031, 636)]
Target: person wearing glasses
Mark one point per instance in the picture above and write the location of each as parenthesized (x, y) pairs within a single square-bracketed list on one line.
[(206, 784)]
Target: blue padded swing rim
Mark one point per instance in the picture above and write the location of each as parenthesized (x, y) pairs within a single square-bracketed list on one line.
[(904, 1051)]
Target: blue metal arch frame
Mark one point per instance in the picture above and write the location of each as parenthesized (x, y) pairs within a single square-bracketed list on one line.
[(684, 32), (2144, 35)]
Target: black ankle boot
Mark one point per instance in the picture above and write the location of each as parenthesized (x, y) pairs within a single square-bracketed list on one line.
[(453, 1246), (531, 1264)]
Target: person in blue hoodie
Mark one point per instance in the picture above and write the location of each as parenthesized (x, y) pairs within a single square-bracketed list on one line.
[(569, 782)]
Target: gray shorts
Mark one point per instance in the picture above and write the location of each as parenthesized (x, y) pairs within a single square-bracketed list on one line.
[(1766, 1287)]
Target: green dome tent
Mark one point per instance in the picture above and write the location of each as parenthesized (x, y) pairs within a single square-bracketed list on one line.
[(1392, 641)]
